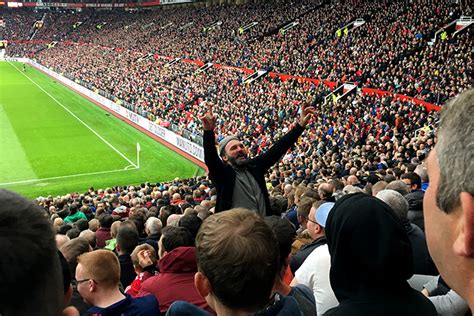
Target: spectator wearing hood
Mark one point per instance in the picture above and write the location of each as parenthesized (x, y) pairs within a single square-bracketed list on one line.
[(177, 266), (371, 260)]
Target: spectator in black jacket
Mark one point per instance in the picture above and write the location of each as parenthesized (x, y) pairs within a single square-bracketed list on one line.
[(414, 198), (127, 240), (422, 262), (239, 180)]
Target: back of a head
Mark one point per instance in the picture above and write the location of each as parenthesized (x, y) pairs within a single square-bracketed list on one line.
[(82, 224), (89, 235), (139, 248), (30, 263), (102, 266), (173, 237), (399, 186), (421, 171), (396, 201), (94, 224), (127, 238), (364, 231), (73, 249), (106, 221), (153, 226), (192, 223), (379, 186), (285, 234), (73, 208), (304, 207), (236, 252)]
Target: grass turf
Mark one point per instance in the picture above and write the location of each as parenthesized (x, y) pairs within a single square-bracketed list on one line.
[(45, 150)]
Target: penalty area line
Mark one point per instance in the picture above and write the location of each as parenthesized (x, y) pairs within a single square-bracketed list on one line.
[(68, 176)]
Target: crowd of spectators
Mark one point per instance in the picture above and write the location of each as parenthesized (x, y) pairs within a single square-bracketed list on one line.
[(360, 144), (390, 51)]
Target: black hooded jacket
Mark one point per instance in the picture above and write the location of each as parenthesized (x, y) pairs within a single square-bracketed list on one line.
[(371, 259)]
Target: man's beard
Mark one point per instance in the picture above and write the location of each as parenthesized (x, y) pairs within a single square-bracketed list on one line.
[(238, 162)]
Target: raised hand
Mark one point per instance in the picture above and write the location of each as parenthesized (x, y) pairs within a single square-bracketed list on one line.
[(209, 119), (144, 258), (308, 112)]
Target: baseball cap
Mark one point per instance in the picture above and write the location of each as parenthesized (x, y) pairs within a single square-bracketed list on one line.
[(322, 213)]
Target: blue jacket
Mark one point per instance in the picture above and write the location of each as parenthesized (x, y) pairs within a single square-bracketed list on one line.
[(140, 306)]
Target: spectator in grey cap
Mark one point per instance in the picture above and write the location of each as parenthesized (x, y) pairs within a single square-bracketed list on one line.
[(239, 180)]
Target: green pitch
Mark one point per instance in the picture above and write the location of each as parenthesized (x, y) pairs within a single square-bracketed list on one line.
[(54, 141)]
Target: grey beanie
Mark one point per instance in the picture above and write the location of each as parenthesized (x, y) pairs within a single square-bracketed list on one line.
[(224, 143)]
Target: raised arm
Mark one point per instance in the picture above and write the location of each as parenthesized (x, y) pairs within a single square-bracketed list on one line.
[(211, 158)]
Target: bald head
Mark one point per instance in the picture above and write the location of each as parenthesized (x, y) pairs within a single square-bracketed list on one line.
[(61, 240), (352, 180), (325, 190)]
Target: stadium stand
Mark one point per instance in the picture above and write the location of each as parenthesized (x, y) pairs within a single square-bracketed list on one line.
[(309, 48)]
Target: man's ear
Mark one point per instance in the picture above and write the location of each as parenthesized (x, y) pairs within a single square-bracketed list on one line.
[(92, 286), (464, 242), (224, 158), (202, 284)]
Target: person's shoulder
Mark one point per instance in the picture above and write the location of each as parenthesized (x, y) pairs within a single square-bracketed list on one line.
[(149, 282), (302, 290), (144, 305), (282, 306)]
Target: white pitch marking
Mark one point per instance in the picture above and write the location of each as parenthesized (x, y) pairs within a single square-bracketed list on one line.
[(68, 176), (85, 124)]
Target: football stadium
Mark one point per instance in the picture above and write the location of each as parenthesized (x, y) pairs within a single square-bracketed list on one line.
[(236, 157)]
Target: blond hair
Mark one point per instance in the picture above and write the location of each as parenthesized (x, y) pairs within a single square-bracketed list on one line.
[(102, 266)]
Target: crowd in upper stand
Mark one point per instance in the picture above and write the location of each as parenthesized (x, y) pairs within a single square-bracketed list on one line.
[(390, 51)]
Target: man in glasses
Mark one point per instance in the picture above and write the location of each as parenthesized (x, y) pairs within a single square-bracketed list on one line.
[(314, 272), (98, 278)]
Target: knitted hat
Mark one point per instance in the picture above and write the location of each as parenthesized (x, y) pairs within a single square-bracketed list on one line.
[(224, 143)]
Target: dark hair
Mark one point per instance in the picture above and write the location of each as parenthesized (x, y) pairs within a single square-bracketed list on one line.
[(73, 208), (285, 234), (30, 260), (192, 223), (127, 238), (105, 221), (413, 177), (73, 233), (139, 220), (236, 252), (66, 272), (173, 237), (82, 224), (62, 230)]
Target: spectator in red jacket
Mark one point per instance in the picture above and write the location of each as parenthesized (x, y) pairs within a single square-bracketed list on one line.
[(177, 268), (103, 233)]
